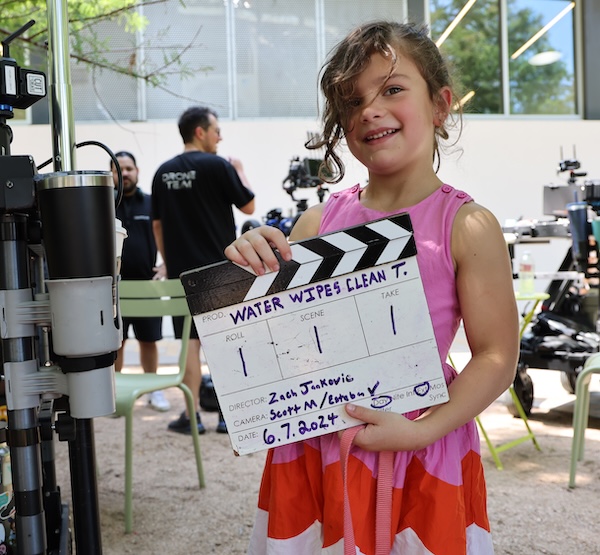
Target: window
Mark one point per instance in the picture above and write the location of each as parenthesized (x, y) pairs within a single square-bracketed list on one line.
[(245, 59), (512, 56), (541, 54), (277, 63), (261, 58), (470, 38)]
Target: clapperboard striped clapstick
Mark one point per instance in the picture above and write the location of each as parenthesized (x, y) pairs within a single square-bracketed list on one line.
[(330, 255), (346, 320)]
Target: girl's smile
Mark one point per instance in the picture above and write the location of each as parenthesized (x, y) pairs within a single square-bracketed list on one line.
[(391, 125), (379, 135)]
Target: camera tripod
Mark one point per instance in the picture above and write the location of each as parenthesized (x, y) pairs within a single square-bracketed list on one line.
[(60, 322)]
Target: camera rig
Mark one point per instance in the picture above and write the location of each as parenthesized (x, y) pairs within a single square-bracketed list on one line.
[(302, 174), (60, 323)]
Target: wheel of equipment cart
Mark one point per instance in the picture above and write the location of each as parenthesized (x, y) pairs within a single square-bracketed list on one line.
[(568, 380), (523, 386), (250, 224)]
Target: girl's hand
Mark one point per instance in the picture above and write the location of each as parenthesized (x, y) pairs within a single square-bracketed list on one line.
[(385, 431), (255, 249)]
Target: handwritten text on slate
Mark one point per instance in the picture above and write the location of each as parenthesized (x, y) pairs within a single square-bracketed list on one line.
[(285, 365)]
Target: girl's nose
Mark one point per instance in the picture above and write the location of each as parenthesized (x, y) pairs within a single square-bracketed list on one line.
[(370, 111)]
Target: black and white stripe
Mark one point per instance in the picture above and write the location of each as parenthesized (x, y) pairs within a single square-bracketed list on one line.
[(327, 256)]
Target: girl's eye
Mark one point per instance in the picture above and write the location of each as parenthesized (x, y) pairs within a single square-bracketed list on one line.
[(393, 90), (354, 102)]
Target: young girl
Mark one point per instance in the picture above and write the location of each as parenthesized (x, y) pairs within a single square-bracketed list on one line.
[(389, 96)]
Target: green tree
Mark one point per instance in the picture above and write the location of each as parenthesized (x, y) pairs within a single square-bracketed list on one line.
[(86, 19), (474, 49), (546, 89)]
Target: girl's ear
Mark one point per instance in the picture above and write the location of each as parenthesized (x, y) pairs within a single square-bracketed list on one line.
[(442, 106)]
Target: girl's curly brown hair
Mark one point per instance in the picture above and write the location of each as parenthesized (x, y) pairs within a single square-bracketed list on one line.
[(347, 61)]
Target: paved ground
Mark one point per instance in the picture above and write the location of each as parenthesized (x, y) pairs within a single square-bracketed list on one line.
[(532, 511)]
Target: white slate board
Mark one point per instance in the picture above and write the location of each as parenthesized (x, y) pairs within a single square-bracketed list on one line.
[(345, 321)]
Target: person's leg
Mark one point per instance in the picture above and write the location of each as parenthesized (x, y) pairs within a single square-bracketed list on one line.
[(119, 359), (149, 361), (148, 356), (193, 371), (148, 331), (192, 378)]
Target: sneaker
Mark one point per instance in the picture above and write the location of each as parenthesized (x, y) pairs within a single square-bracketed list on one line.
[(157, 401), (182, 425), (221, 426)]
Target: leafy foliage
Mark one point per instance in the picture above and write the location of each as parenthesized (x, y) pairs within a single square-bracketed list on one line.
[(86, 19), (474, 49)]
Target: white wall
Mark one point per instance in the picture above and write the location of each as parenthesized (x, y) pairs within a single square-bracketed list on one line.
[(504, 163)]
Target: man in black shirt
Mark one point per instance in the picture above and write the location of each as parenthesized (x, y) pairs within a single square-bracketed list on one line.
[(138, 262), (193, 195)]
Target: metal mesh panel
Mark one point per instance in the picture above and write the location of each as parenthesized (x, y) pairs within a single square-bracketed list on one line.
[(102, 94), (251, 59), (276, 59), (340, 17), (197, 32)]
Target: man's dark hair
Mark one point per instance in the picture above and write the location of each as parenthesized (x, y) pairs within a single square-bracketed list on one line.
[(124, 153), (197, 116)]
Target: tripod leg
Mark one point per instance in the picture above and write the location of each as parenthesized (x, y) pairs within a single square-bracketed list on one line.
[(86, 513)]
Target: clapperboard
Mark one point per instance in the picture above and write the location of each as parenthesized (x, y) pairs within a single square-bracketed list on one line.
[(346, 320)]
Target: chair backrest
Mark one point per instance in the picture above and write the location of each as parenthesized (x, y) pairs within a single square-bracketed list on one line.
[(141, 298), (147, 298)]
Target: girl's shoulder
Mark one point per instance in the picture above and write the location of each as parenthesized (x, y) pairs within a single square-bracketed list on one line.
[(474, 222), (452, 193), (308, 223), (472, 210)]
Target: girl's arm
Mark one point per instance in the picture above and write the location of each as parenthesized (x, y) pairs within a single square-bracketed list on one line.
[(486, 296)]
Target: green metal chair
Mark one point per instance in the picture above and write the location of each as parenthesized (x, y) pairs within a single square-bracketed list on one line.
[(495, 450), (146, 298), (581, 412)]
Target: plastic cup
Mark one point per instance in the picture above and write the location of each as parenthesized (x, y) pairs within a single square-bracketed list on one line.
[(120, 236)]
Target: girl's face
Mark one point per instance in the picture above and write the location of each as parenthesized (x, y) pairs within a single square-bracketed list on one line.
[(392, 121)]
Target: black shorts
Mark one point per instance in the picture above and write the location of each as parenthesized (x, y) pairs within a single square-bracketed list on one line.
[(178, 328), (144, 329)]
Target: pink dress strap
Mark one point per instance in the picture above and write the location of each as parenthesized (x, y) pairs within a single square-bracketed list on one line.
[(383, 506)]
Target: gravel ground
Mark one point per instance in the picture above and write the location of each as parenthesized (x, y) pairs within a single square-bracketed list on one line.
[(532, 510)]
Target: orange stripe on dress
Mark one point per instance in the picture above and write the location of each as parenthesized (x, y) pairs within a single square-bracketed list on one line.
[(292, 494), (300, 492), (476, 491), (437, 511)]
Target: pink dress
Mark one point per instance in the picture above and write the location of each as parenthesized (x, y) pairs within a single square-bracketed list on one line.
[(439, 494)]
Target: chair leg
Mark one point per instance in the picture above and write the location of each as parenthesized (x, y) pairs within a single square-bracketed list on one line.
[(194, 426), (129, 470), (580, 418), (584, 415), (489, 444), (523, 416)]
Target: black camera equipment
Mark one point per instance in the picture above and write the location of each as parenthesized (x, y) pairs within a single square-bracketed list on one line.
[(303, 174), (564, 332), (61, 326), (571, 166)]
